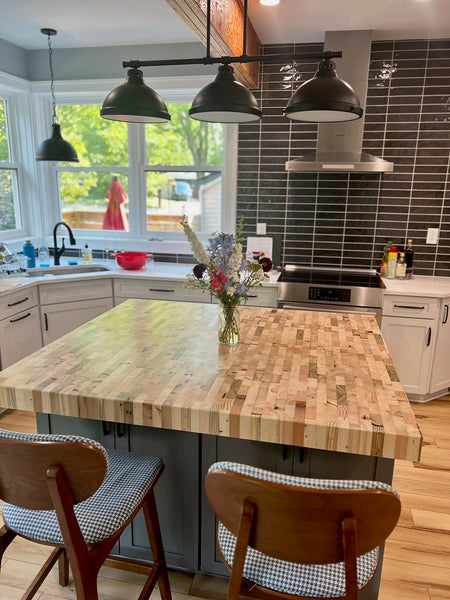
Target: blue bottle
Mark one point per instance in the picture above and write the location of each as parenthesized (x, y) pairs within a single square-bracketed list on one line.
[(28, 251)]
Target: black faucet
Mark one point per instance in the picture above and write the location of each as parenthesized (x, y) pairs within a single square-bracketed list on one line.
[(60, 252)]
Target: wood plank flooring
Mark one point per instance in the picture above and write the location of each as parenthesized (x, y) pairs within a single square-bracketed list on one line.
[(417, 555)]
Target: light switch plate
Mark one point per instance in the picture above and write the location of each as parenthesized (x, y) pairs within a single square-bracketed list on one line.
[(432, 235), (260, 229)]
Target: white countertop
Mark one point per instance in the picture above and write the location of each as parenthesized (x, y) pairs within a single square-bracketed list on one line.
[(419, 285), (159, 271)]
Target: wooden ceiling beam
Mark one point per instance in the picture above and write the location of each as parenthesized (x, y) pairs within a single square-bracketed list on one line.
[(227, 26)]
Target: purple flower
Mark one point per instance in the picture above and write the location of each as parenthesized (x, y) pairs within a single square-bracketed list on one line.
[(199, 270), (265, 263)]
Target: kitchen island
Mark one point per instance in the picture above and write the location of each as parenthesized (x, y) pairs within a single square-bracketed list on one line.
[(308, 393)]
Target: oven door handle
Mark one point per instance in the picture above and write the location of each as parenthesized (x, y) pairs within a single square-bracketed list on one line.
[(326, 309)]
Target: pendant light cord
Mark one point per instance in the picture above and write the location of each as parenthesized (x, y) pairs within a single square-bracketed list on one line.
[(52, 77)]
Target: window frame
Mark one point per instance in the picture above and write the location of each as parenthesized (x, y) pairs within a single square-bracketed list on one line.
[(172, 89), (16, 94)]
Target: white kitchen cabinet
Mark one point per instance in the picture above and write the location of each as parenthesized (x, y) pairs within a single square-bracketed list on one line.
[(20, 335), (409, 341), (59, 319), (440, 372)]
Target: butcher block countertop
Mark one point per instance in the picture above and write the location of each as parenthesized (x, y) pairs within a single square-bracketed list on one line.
[(312, 379)]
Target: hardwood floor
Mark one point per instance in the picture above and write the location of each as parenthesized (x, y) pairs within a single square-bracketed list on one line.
[(417, 554)]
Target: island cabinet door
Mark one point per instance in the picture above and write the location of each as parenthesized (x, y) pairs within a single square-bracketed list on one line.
[(177, 496), (273, 457)]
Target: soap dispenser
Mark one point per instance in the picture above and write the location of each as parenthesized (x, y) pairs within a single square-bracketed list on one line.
[(87, 255)]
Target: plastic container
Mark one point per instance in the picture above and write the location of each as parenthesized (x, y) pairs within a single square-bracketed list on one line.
[(392, 263), (87, 255), (29, 252), (131, 261), (43, 254), (384, 260)]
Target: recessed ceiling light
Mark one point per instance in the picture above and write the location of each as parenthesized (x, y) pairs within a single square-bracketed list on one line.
[(269, 2)]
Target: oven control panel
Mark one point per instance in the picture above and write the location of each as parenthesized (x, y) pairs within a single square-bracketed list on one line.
[(325, 294)]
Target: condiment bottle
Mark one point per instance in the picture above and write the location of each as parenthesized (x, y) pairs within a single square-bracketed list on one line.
[(409, 258), (384, 260), (401, 267), (392, 263)]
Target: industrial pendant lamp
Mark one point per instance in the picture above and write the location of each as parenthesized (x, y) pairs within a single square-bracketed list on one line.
[(55, 147), (225, 100), (325, 98), (134, 102)]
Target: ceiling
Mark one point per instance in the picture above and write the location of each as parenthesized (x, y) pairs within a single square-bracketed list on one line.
[(117, 23)]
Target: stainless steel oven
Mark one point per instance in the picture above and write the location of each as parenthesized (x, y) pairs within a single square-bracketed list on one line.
[(353, 291)]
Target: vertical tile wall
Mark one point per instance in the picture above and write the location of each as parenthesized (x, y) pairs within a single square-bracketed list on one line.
[(339, 219)]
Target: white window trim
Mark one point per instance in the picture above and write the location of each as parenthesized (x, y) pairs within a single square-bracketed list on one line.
[(172, 89)]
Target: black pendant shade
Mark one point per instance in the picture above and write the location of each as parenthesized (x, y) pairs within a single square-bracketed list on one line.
[(225, 100), (56, 148), (134, 102), (324, 99)]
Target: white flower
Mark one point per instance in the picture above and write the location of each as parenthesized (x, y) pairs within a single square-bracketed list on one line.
[(197, 247), (230, 291)]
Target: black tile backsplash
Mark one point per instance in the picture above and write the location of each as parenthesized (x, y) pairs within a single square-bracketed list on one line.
[(342, 219)]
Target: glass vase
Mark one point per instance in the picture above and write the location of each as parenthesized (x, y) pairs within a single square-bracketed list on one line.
[(229, 325)]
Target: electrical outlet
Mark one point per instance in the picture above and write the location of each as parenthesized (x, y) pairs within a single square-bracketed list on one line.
[(260, 229), (432, 235)]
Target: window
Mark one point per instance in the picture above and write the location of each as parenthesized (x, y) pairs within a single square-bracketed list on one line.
[(139, 179), (10, 216)]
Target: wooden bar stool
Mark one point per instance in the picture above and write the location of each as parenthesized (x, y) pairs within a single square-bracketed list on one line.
[(284, 536), (71, 493)]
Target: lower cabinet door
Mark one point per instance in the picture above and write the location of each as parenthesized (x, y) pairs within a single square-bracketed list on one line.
[(176, 493), (440, 373), (59, 319), (273, 457), (410, 343), (20, 335)]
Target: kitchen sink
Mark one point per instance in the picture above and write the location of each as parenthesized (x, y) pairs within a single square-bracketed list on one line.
[(66, 270)]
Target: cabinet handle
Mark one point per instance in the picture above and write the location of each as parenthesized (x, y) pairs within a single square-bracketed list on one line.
[(285, 452), (164, 291), (409, 307), (253, 296), (20, 318), (46, 321), (301, 454), (446, 315), (106, 429), (120, 430), (18, 302), (429, 336)]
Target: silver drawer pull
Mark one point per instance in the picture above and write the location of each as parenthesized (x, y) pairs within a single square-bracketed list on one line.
[(18, 302), (164, 291), (409, 307)]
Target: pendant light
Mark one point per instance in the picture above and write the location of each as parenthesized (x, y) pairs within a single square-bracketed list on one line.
[(134, 102), (55, 148), (325, 98), (225, 100)]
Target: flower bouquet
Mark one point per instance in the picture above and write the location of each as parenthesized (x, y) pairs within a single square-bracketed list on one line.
[(222, 271)]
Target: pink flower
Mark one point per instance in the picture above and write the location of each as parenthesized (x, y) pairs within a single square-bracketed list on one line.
[(217, 279)]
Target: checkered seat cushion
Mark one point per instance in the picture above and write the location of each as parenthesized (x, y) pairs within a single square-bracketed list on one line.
[(316, 581), (127, 480)]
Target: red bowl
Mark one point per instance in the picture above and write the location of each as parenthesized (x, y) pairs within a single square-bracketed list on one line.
[(131, 261)]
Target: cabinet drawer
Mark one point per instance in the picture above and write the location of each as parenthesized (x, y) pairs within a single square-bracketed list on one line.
[(158, 289), (410, 306), (15, 302), (70, 291)]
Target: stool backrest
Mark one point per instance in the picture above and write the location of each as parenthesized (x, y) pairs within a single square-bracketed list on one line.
[(300, 524), (24, 464)]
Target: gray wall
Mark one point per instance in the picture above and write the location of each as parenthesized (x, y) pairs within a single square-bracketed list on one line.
[(13, 60)]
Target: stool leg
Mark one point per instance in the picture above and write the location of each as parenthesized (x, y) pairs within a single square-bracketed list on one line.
[(6, 537), (154, 536)]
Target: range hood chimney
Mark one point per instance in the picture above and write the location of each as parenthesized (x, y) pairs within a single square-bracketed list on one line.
[(339, 145)]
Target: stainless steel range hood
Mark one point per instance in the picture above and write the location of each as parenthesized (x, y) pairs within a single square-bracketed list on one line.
[(339, 145)]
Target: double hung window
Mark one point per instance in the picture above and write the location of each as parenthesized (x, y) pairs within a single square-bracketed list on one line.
[(10, 213)]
